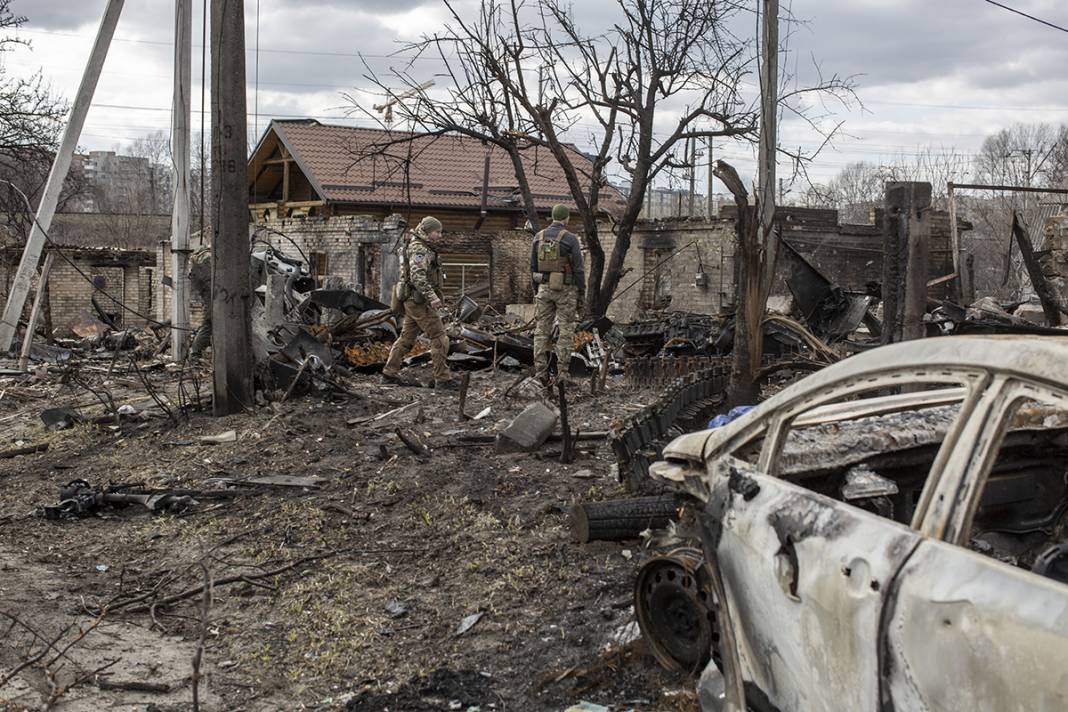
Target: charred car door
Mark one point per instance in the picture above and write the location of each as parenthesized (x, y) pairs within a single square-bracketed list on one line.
[(985, 632)]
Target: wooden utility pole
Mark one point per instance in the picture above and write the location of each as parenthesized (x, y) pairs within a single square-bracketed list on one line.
[(709, 209), (46, 209), (693, 176), (230, 334), (906, 252), (181, 206), (769, 106)]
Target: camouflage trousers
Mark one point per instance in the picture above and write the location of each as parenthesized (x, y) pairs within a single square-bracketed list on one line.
[(420, 318), (550, 304)]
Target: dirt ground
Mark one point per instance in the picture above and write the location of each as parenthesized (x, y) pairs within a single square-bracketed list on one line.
[(350, 595)]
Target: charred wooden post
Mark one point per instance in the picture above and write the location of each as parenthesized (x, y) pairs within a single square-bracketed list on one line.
[(567, 452), (465, 382), (906, 250), (1051, 306)]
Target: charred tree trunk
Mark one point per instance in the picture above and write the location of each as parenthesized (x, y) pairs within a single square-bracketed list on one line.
[(524, 185), (748, 294)]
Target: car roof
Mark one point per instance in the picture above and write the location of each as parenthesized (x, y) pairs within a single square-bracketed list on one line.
[(1036, 358)]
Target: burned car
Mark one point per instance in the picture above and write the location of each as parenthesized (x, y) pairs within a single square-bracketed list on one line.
[(886, 534)]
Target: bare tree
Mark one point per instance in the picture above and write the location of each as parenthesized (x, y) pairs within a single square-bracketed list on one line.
[(525, 76), (31, 118), (156, 149)]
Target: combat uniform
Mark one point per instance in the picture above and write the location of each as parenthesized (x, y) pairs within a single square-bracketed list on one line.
[(420, 285), (200, 285), (560, 279)]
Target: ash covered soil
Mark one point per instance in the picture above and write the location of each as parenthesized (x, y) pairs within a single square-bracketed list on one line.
[(386, 560)]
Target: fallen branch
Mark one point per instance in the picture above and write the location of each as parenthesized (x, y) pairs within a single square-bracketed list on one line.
[(133, 686), (25, 450), (411, 442)]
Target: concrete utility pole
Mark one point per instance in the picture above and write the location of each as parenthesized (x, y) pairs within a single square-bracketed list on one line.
[(906, 253), (180, 210), (231, 292), (769, 106), (31, 254)]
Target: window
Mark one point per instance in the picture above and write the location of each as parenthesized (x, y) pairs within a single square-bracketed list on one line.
[(318, 264), (1021, 511), (872, 447)]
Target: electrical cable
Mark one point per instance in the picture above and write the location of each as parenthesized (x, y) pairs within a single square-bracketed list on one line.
[(1029, 17), (59, 251)]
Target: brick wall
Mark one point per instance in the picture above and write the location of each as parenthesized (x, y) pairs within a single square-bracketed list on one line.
[(664, 261), (1054, 258), (70, 293)]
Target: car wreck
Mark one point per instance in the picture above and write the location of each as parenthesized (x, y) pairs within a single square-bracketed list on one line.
[(886, 534)]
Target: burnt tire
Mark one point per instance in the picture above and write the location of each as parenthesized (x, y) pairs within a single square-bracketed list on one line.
[(621, 519)]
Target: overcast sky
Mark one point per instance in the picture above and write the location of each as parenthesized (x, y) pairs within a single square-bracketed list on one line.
[(942, 74)]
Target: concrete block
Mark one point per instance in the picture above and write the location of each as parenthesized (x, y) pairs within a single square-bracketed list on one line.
[(523, 311), (1031, 312), (529, 430)]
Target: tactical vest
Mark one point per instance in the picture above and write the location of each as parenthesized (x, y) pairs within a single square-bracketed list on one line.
[(549, 253), (433, 271)]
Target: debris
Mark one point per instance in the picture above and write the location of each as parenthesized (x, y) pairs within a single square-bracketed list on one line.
[(583, 474), (80, 499), (412, 442), (397, 608), (133, 686), (23, 450), (482, 413), (310, 482), (227, 436), (60, 418), (468, 623), (529, 430), (621, 519), (584, 706), (731, 415), (382, 416)]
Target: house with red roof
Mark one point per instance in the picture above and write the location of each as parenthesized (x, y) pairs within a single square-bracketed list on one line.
[(307, 168)]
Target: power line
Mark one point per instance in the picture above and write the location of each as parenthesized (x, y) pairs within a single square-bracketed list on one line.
[(1029, 17), (317, 53)]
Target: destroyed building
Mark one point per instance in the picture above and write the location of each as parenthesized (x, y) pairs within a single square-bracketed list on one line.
[(116, 251), (688, 265)]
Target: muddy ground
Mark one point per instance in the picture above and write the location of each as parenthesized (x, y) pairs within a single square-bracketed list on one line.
[(350, 595)]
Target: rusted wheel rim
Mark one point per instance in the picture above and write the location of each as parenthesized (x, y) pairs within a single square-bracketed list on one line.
[(676, 610)]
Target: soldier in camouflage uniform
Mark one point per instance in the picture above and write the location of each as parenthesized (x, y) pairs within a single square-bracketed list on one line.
[(560, 288), (200, 286), (419, 292)]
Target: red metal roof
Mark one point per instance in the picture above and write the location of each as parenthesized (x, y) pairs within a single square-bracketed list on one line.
[(445, 171)]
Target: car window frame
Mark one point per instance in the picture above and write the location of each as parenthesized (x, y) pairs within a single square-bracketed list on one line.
[(965, 491)]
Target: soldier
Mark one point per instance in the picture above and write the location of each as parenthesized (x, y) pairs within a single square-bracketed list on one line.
[(419, 293), (560, 288), (200, 285)]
